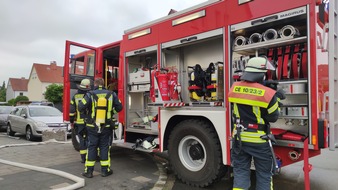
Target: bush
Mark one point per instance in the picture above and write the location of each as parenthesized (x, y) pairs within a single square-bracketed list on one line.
[(54, 93)]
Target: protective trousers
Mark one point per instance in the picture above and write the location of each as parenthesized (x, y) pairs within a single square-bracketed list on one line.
[(102, 141), (261, 154), (82, 134)]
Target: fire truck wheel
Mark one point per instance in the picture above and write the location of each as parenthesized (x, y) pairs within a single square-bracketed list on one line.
[(75, 140), (195, 153)]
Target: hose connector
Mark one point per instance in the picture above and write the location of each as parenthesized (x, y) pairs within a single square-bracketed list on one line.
[(240, 41), (270, 34), (294, 155), (255, 38), (288, 31)]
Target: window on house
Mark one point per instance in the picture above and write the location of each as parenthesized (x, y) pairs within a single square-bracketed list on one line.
[(21, 94)]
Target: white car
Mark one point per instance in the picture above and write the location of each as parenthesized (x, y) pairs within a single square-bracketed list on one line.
[(32, 120)]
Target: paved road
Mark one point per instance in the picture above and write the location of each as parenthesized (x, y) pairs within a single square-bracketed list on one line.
[(132, 170), (324, 176)]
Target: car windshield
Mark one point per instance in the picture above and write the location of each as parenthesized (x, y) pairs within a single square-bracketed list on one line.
[(5, 109), (44, 111)]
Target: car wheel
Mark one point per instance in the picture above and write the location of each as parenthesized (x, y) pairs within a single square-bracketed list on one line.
[(195, 153), (9, 130), (29, 134)]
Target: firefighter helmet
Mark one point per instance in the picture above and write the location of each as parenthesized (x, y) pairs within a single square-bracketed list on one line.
[(84, 85), (256, 68)]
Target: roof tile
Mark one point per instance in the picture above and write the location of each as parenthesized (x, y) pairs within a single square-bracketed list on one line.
[(49, 73), (20, 84)]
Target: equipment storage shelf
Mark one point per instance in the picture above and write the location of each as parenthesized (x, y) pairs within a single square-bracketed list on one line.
[(269, 32), (264, 45), (142, 130), (294, 144)]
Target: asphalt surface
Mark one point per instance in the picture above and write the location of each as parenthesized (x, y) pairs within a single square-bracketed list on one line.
[(133, 170), (323, 176)]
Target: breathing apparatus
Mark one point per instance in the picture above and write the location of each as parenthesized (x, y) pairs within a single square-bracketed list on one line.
[(101, 109)]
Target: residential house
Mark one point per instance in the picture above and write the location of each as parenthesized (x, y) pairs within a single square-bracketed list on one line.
[(40, 77), (16, 87)]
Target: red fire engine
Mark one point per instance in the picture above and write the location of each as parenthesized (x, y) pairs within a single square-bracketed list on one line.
[(174, 74)]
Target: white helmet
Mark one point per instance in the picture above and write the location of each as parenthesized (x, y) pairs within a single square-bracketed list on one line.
[(256, 68), (85, 84)]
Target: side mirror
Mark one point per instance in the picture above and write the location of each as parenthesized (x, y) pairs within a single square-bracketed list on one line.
[(24, 115)]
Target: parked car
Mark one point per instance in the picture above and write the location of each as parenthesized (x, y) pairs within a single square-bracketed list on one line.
[(32, 120), (42, 103), (4, 112)]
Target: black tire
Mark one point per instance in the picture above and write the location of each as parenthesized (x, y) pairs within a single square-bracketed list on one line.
[(195, 153), (75, 140), (29, 134), (9, 130)]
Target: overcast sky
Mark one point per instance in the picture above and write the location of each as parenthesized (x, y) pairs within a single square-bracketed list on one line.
[(35, 31)]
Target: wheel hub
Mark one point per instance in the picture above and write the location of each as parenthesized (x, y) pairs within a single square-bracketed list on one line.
[(192, 153), (196, 152)]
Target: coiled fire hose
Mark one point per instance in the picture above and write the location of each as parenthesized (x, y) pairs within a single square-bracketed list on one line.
[(270, 34), (79, 182), (254, 38), (240, 41), (288, 31)]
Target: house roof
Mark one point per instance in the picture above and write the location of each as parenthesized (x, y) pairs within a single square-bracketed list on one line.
[(20, 84), (49, 73)]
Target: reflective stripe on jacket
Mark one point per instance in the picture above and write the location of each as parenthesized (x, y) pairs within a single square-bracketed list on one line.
[(253, 103), (74, 111), (252, 94)]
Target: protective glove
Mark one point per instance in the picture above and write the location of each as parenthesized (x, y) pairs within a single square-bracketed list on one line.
[(271, 84), (280, 94)]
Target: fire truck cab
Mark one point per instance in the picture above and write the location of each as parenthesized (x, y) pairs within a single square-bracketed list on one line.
[(174, 74)]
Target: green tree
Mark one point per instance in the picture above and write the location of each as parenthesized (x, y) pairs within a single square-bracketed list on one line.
[(54, 93), (3, 92)]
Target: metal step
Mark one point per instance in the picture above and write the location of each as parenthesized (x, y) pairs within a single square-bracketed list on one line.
[(122, 144)]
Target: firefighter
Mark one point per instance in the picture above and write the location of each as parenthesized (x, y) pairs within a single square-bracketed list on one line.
[(77, 119), (102, 104), (254, 107), (111, 85)]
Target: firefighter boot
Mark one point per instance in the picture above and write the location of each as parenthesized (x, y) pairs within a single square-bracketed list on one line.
[(106, 172), (88, 172), (83, 158)]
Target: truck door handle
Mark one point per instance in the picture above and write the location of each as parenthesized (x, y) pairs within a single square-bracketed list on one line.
[(140, 51), (189, 39), (274, 17), (192, 38), (259, 21)]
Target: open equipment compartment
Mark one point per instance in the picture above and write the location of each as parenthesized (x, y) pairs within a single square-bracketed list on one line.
[(139, 63), (206, 50), (284, 42)]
